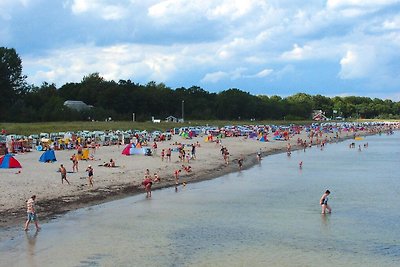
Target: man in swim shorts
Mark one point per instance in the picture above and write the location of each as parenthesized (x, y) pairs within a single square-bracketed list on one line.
[(31, 213), (63, 172)]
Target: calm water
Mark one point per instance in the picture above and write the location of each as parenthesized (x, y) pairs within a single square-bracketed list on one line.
[(268, 215)]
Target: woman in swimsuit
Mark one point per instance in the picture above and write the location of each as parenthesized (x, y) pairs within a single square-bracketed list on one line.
[(324, 202)]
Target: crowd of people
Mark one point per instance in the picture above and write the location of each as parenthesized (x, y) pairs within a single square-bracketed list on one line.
[(187, 153)]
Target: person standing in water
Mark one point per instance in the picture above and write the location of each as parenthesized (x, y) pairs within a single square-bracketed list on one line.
[(31, 212), (259, 155), (324, 202)]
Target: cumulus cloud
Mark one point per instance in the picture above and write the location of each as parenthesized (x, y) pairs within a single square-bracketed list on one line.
[(113, 63), (216, 43), (238, 73), (107, 10), (359, 3), (357, 63), (263, 73), (227, 9), (297, 53), (214, 77), (392, 23)]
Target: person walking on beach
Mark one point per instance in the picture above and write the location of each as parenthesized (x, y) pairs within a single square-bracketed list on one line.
[(63, 172), (169, 155), (74, 160), (162, 155), (193, 151), (324, 202), (31, 213), (89, 170)]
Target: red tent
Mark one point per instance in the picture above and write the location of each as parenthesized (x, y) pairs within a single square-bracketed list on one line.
[(8, 161)]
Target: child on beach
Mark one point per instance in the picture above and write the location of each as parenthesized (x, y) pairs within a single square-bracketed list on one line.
[(187, 168), (324, 202), (31, 212), (156, 178)]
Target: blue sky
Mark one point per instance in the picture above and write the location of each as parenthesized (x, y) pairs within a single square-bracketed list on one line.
[(328, 47)]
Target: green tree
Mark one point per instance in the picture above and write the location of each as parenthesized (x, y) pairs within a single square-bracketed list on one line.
[(12, 83)]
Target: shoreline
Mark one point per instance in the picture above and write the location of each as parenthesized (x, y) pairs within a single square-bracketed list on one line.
[(52, 207)]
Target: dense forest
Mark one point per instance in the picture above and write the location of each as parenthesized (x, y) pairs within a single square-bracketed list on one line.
[(20, 102)]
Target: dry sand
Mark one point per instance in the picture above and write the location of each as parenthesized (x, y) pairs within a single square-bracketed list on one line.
[(44, 180)]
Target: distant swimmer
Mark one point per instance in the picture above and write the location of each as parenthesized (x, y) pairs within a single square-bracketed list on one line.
[(324, 202)]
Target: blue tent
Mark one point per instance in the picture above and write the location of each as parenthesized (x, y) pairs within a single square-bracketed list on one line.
[(48, 156)]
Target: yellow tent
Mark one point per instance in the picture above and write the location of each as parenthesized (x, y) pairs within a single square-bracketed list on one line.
[(85, 154)]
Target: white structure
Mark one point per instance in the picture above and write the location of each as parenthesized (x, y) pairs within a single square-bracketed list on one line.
[(77, 105), (155, 120), (171, 119)]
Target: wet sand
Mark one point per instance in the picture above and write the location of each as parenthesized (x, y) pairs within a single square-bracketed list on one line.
[(54, 198)]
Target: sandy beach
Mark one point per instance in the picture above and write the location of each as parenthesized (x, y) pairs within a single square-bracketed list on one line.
[(53, 197)]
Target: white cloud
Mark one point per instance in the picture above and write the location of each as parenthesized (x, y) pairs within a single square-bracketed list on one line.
[(113, 63), (358, 63), (298, 53), (214, 77), (226, 41), (261, 74), (356, 8), (264, 73), (236, 74), (224, 9), (359, 3), (232, 9), (8, 6), (100, 8), (392, 24)]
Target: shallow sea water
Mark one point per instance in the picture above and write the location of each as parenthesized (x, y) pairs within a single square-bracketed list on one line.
[(268, 215)]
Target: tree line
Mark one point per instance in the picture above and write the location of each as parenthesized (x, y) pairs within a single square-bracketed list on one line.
[(21, 102)]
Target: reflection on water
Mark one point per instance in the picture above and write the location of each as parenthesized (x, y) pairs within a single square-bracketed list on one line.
[(31, 242), (268, 215)]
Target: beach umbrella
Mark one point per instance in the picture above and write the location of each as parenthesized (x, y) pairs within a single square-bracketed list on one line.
[(8, 161)]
